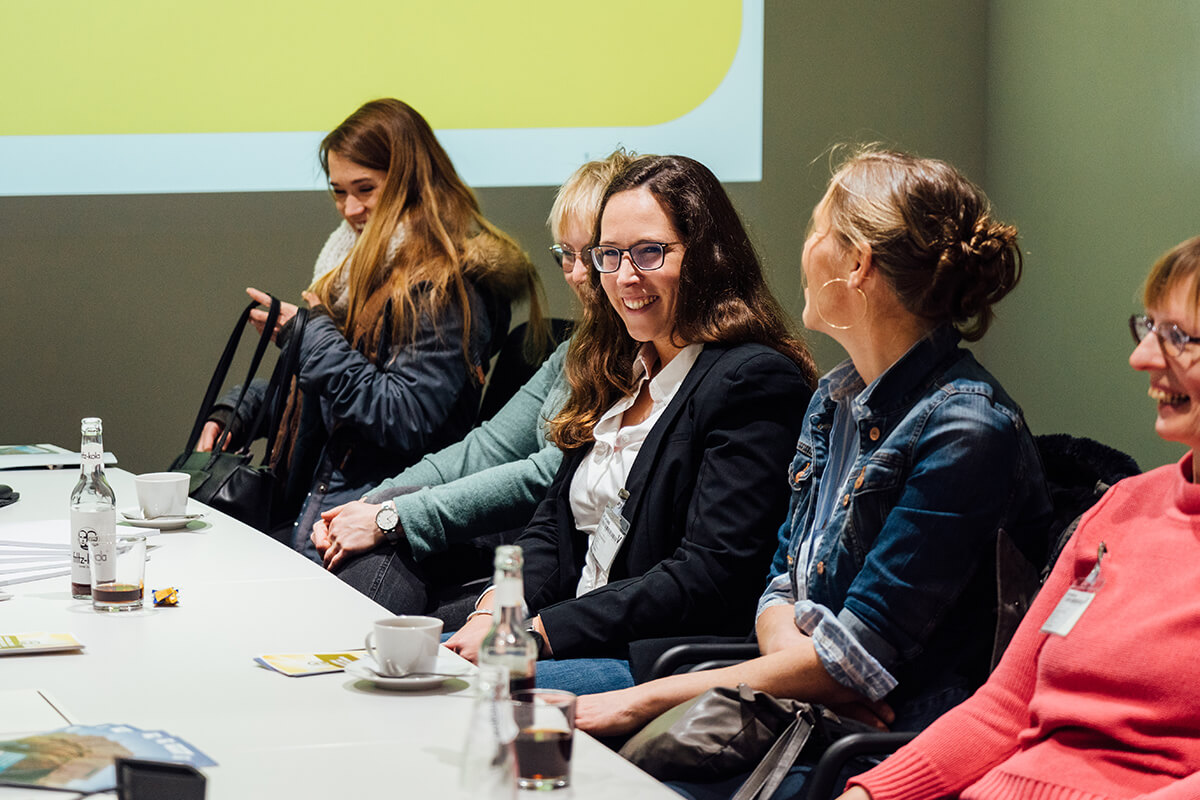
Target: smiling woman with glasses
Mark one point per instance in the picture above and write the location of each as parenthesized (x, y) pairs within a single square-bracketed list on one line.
[(1092, 698), (687, 393)]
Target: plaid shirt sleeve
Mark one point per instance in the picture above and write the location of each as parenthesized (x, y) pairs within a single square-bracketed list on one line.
[(846, 660), (778, 592)]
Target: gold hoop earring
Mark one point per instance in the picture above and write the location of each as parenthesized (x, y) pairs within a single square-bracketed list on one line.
[(835, 326)]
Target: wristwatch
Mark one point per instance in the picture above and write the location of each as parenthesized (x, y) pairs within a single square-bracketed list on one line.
[(538, 640), (388, 520)]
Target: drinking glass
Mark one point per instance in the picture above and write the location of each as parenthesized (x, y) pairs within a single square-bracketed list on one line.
[(118, 565), (545, 728)]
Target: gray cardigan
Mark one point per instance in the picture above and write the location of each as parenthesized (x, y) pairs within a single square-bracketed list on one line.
[(492, 480)]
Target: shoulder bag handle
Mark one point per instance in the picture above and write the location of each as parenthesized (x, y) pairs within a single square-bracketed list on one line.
[(222, 370)]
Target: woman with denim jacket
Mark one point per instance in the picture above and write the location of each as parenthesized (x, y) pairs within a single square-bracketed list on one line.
[(911, 461)]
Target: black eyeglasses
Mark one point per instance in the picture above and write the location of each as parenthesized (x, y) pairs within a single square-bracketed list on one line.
[(646, 256), (565, 256), (1169, 334)]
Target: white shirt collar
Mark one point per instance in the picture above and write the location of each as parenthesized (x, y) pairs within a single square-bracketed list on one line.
[(667, 381), (662, 386)]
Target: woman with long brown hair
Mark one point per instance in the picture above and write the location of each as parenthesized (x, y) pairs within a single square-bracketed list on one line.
[(403, 324), (687, 391)]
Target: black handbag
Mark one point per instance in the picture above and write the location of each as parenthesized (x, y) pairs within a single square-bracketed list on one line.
[(229, 481)]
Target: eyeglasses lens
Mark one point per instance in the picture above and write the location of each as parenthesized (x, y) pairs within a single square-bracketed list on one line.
[(647, 256), (1169, 336)]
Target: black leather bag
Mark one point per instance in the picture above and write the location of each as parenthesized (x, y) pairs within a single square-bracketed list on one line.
[(229, 481)]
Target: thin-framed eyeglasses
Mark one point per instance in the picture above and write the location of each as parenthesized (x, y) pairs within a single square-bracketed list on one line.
[(1169, 335), (646, 256), (565, 256)]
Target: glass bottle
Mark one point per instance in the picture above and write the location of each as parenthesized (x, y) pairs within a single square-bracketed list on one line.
[(508, 644), (488, 769), (93, 506)]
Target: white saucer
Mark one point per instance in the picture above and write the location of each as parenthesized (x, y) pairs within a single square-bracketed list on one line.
[(364, 668), (134, 517)]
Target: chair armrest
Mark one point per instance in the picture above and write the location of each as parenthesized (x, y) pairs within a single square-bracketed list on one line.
[(822, 783), (697, 653)]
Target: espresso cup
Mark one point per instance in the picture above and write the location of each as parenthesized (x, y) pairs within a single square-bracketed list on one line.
[(162, 494), (403, 645)]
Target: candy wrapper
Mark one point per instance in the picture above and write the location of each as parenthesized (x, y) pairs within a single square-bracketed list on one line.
[(166, 597)]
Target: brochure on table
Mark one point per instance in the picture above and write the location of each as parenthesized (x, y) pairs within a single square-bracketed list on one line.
[(82, 757)]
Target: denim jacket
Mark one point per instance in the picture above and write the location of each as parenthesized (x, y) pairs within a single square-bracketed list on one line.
[(903, 574)]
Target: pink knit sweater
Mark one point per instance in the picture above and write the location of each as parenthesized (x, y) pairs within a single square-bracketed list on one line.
[(1112, 709)]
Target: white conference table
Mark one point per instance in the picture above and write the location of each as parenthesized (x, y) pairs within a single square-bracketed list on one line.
[(189, 670)]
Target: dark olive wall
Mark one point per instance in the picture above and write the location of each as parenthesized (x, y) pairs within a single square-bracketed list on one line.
[(1094, 151), (118, 306)]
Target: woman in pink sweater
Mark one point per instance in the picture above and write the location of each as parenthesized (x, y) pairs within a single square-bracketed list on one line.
[(1096, 697)]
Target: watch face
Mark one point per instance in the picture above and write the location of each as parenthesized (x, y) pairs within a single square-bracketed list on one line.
[(386, 518)]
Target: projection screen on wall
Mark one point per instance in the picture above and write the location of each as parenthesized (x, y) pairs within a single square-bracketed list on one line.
[(131, 96)]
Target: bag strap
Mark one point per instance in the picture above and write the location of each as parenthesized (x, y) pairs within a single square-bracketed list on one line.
[(264, 339), (286, 368), (218, 377), (770, 772)]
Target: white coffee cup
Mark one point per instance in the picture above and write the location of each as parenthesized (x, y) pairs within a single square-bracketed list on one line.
[(401, 645), (162, 494)]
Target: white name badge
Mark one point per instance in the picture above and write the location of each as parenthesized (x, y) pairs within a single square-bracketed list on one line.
[(1077, 599), (607, 538), (1068, 611)]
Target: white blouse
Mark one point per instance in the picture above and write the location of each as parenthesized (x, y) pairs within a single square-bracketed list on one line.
[(604, 470)]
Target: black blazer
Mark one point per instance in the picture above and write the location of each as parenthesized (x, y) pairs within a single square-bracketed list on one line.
[(707, 494)]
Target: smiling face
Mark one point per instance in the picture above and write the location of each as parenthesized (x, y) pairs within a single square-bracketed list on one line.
[(1174, 380), (645, 301), (355, 189)]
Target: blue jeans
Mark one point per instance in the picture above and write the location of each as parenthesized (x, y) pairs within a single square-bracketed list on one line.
[(584, 675), (580, 675)]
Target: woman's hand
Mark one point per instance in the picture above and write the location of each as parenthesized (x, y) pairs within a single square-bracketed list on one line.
[(208, 437), (877, 714), (611, 713), (258, 317), (855, 793), (346, 531), (466, 640)]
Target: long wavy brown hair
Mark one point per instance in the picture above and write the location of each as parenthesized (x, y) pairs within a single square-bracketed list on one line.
[(722, 295), (438, 214)]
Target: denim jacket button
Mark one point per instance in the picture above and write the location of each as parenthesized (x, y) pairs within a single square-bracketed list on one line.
[(846, 500), (858, 482), (874, 434), (820, 567)]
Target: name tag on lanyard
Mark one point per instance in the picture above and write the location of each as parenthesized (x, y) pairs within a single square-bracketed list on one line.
[(1076, 600), (609, 534)]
